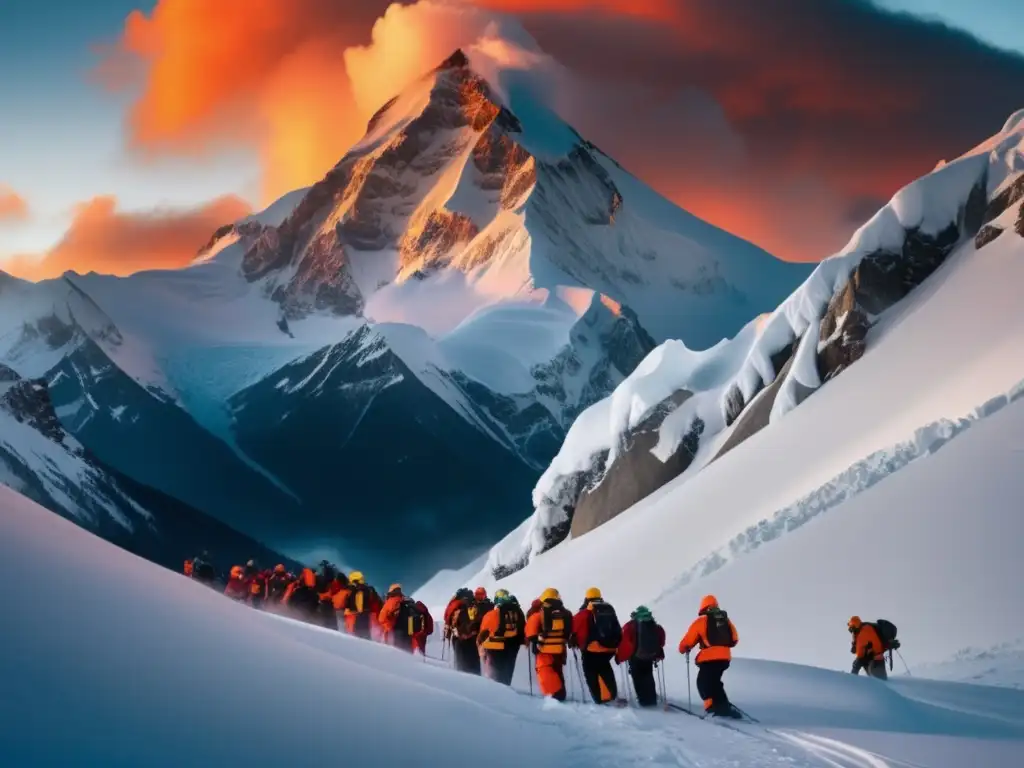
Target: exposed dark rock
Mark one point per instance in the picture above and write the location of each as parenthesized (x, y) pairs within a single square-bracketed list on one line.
[(54, 331), (217, 235), (636, 473), (457, 60), (843, 333), (986, 235), (1001, 202), (972, 215), (734, 400), (1019, 226), (8, 375), (880, 280), (432, 246), (28, 401), (755, 417), (380, 113)]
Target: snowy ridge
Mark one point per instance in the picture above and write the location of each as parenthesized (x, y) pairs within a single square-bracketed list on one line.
[(700, 406)]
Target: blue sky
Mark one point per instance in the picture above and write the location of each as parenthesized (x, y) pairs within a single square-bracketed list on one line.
[(61, 136), (1000, 22), (61, 133)]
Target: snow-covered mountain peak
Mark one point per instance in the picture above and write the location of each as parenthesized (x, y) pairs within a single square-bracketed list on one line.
[(457, 191)]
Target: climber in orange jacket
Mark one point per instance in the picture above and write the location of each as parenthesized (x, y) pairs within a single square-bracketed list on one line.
[(548, 632), (868, 649), (502, 634), (597, 633), (388, 614), (716, 635)]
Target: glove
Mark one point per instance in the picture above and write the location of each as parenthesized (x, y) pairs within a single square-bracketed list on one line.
[(895, 645)]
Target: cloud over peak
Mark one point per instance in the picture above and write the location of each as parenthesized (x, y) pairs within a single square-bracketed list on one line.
[(773, 120)]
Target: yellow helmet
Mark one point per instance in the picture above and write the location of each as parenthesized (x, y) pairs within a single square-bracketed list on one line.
[(549, 594), (593, 594), (356, 577)]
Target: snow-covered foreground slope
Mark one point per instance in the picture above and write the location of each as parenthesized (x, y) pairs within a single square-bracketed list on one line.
[(191, 684)]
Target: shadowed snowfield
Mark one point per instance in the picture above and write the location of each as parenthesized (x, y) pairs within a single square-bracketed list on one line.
[(141, 667)]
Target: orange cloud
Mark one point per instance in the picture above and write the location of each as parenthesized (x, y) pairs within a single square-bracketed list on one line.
[(103, 239), (262, 72), (733, 110), (12, 205)]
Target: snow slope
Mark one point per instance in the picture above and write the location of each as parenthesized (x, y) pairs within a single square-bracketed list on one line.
[(191, 684), (894, 490), (845, 506), (707, 402)]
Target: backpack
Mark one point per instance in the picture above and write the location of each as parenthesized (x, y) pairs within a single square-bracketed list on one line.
[(470, 617), (647, 646), (357, 599), (604, 625), (556, 626), (719, 632), (510, 622), (887, 632), (410, 620)]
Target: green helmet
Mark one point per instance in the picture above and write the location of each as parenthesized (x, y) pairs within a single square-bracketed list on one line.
[(642, 613)]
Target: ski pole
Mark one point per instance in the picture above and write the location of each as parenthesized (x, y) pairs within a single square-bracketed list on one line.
[(904, 663), (625, 684), (579, 673), (689, 694), (529, 670), (664, 689)]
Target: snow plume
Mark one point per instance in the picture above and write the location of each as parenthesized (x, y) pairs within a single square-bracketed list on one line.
[(409, 40)]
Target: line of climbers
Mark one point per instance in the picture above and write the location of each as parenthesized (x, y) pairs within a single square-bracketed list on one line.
[(480, 630), (485, 636), (327, 598), (493, 632)]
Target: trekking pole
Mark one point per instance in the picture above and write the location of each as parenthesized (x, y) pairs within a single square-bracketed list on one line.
[(664, 688), (529, 671), (625, 685), (904, 663), (689, 694), (579, 673)]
